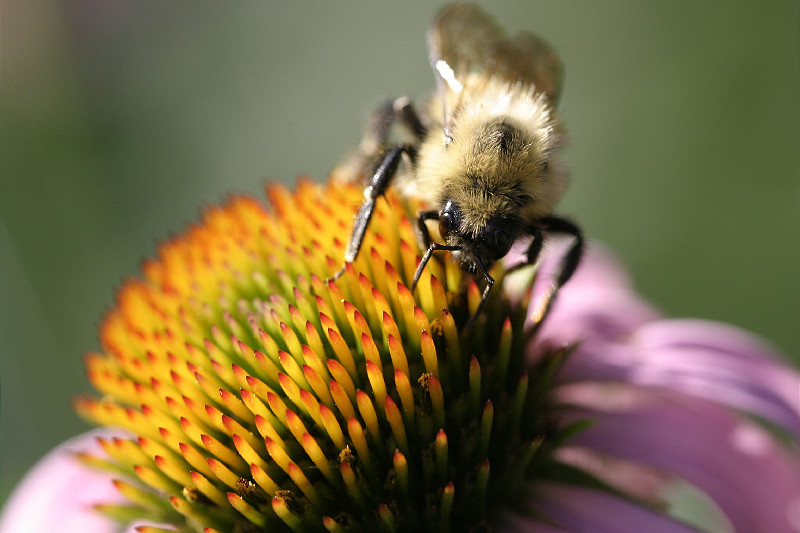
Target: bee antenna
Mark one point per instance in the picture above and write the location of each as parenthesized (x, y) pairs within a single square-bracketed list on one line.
[(434, 247)]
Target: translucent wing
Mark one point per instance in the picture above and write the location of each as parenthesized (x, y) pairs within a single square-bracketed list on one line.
[(469, 41)]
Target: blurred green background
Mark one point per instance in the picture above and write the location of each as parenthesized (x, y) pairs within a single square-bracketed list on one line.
[(121, 119)]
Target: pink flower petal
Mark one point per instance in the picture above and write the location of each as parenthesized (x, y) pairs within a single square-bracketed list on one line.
[(641, 482), (580, 510), (621, 338), (733, 460), (735, 368), (59, 492), (700, 359)]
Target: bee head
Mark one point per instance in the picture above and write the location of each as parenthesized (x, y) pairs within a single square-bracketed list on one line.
[(490, 242)]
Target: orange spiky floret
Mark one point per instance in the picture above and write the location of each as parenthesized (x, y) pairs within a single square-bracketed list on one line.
[(262, 392)]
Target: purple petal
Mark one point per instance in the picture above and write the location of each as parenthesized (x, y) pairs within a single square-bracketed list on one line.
[(644, 483), (621, 338), (754, 481), (59, 492), (700, 359), (519, 523), (581, 510), (735, 368)]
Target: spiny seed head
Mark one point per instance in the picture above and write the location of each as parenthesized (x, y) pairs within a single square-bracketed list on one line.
[(260, 395)]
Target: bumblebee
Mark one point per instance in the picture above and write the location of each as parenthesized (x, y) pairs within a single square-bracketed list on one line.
[(483, 157)]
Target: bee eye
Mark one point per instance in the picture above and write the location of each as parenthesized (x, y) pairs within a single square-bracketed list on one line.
[(446, 223), (449, 219)]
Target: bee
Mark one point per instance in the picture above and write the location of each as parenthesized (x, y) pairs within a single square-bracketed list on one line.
[(483, 157)]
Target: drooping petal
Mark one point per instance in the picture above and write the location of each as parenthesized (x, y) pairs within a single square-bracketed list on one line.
[(569, 509), (621, 338), (642, 482), (722, 363), (750, 477), (701, 359), (58, 494)]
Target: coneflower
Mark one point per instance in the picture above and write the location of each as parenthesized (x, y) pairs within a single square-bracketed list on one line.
[(246, 391)]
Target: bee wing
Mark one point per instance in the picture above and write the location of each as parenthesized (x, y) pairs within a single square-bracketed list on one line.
[(527, 58), (467, 40), (463, 36)]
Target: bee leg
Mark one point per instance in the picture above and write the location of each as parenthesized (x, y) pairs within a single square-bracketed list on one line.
[(568, 263), (378, 128), (380, 124), (434, 247), (423, 235), (353, 167), (532, 254), (380, 181), (404, 111), (484, 297)]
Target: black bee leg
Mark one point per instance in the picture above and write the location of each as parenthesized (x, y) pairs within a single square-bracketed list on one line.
[(373, 145), (484, 297), (434, 247), (378, 127), (383, 118), (404, 112), (532, 255), (380, 181), (568, 263), (423, 235)]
